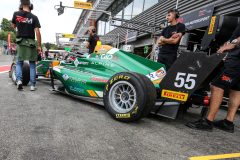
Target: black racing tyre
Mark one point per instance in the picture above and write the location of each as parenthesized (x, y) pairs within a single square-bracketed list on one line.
[(129, 96), (25, 73), (150, 92)]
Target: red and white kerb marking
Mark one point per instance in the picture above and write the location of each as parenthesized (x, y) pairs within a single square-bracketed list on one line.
[(4, 69)]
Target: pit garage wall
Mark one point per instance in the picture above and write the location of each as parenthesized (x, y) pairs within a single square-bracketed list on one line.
[(157, 13)]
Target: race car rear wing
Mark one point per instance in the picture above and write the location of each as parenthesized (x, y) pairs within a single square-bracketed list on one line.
[(185, 76)]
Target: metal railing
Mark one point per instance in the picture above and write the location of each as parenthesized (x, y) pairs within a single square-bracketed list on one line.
[(94, 14)]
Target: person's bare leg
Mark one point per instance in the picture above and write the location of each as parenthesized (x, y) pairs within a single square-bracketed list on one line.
[(233, 104), (215, 102)]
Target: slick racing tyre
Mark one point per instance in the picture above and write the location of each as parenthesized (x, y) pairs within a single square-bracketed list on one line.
[(25, 73), (129, 96)]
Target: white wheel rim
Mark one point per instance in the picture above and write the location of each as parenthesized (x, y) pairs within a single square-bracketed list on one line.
[(122, 97)]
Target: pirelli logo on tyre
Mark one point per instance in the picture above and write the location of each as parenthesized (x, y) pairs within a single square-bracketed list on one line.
[(127, 115), (175, 95)]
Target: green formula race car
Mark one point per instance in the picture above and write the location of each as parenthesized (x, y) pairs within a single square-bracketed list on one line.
[(123, 82), (128, 85)]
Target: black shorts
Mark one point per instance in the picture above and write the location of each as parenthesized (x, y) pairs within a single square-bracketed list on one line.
[(230, 77), (167, 59)]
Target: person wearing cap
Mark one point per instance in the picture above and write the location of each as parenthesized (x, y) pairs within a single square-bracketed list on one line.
[(27, 25)]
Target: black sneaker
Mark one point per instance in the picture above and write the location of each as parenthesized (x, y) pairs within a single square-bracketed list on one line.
[(202, 124), (224, 125), (19, 85)]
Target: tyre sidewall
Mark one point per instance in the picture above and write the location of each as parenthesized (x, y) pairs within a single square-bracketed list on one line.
[(137, 110), (149, 91)]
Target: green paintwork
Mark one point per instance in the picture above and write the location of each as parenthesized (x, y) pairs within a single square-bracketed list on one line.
[(92, 72), (43, 67)]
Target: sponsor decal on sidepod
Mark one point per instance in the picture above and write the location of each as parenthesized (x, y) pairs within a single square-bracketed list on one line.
[(157, 76)]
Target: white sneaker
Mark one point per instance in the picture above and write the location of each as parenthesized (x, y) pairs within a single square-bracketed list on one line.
[(33, 88), (19, 85)]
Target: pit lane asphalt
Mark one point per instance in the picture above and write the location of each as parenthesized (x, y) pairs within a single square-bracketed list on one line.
[(43, 125)]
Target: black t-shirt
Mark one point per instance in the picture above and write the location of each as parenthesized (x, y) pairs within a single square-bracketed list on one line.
[(25, 22), (92, 43), (167, 33)]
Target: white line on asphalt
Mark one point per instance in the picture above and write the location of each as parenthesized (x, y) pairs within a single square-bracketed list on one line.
[(4, 72), (5, 65)]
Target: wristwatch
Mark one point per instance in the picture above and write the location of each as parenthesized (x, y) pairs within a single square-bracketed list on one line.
[(235, 42)]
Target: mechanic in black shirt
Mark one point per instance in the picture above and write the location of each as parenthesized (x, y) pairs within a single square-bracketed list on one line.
[(228, 80), (92, 40), (170, 38), (27, 25)]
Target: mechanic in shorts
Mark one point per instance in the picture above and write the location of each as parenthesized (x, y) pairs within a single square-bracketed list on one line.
[(170, 38), (92, 40), (27, 25), (229, 79)]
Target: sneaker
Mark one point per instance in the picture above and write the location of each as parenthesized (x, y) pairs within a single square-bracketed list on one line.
[(202, 124), (33, 88), (224, 125), (19, 85)]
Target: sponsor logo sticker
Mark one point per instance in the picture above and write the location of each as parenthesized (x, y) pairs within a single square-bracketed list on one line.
[(212, 25), (77, 89), (180, 96), (107, 57), (76, 62), (65, 77), (103, 64), (77, 80), (157, 76), (99, 79)]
